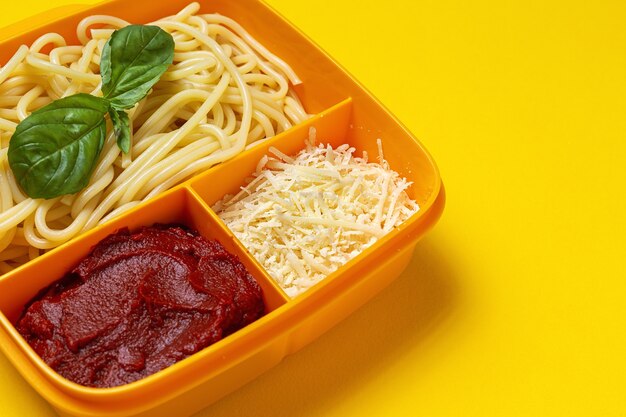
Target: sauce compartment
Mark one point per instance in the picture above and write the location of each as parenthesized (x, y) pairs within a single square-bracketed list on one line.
[(344, 112), (177, 206)]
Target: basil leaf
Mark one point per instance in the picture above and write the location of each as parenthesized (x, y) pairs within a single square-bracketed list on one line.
[(54, 150), (133, 60), (121, 128)]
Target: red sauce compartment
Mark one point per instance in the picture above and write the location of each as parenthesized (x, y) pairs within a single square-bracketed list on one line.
[(179, 207)]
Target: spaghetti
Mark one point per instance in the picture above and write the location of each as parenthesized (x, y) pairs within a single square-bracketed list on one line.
[(224, 92)]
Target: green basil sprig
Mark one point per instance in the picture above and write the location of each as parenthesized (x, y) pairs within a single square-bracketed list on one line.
[(53, 151), (133, 60)]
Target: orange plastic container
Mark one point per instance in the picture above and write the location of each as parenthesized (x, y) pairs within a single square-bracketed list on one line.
[(345, 113)]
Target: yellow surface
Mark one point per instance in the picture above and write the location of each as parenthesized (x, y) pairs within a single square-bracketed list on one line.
[(513, 304)]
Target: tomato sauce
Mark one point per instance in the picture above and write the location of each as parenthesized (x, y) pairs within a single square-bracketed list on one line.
[(139, 303)]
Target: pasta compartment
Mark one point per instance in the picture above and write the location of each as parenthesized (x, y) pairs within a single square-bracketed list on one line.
[(224, 92)]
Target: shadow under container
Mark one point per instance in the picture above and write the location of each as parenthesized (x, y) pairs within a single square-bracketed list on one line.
[(344, 113)]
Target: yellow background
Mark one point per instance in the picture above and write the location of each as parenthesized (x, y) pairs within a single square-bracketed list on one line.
[(513, 304)]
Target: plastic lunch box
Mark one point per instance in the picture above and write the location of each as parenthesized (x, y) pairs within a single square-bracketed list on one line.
[(345, 113)]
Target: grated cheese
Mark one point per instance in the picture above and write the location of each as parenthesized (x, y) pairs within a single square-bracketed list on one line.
[(303, 217)]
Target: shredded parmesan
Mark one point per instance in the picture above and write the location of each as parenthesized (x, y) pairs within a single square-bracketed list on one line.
[(303, 217)]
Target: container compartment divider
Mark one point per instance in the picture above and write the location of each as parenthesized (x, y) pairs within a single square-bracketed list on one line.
[(208, 224)]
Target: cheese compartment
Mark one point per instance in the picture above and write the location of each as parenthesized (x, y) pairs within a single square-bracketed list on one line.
[(335, 127), (359, 122)]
